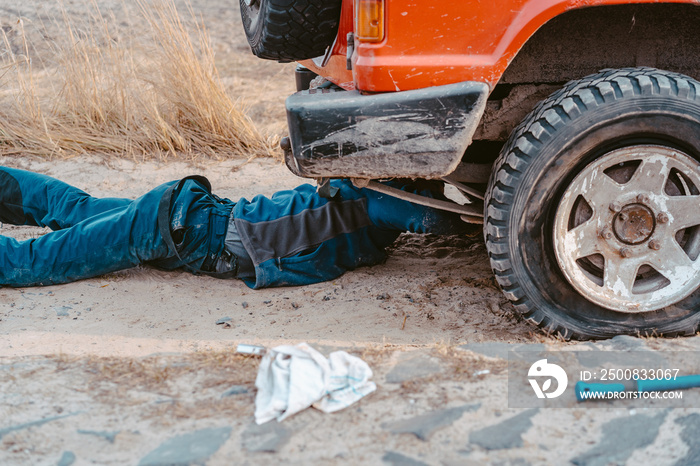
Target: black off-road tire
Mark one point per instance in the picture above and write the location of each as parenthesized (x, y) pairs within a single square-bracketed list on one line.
[(289, 30), (576, 125)]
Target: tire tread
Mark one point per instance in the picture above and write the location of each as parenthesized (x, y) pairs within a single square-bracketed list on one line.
[(292, 30), (570, 102)]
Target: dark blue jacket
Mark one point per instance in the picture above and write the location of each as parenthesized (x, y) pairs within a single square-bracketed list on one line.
[(297, 237)]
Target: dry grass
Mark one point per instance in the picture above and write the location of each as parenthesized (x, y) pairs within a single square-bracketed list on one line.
[(190, 385), (143, 91), (465, 365), (214, 368)]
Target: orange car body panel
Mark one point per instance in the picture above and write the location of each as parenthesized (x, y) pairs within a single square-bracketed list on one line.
[(429, 43)]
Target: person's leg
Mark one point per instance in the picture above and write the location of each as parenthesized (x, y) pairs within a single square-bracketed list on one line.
[(117, 239), (28, 198), (392, 213)]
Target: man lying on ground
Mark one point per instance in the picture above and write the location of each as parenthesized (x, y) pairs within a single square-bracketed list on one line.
[(296, 237)]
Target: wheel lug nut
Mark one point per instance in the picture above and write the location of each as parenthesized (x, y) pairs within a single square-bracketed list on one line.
[(655, 245), (625, 252), (662, 217), (615, 207), (606, 234), (643, 198)]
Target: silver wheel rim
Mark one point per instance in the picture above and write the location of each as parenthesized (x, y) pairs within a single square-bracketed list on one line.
[(626, 232)]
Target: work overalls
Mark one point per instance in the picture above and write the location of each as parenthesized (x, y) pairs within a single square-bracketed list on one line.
[(295, 237)]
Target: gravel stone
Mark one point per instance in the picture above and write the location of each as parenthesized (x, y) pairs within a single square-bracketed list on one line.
[(506, 434), (234, 390), (186, 449), (67, 459), (268, 437), (397, 459), (620, 438), (109, 436), (425, 425), (690, 435), (412, 368)]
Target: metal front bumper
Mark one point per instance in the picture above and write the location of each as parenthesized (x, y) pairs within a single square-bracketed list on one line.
[(421, 133)]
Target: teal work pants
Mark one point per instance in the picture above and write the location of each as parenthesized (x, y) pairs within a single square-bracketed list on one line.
[(93, 236)]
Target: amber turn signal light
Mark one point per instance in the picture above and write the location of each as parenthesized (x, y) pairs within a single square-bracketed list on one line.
[(369, 20)]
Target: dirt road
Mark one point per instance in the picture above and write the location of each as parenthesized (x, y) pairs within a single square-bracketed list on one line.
[(132, 367)]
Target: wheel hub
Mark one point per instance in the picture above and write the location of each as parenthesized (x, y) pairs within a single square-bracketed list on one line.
[(641, 252), (634, 224)]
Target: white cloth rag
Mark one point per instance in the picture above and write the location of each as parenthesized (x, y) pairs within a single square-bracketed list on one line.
[(292, 378)]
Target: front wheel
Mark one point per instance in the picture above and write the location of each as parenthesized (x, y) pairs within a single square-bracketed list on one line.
[(593, 211)]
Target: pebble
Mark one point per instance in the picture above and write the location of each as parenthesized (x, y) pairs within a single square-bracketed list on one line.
[(67, 459), (235, 390), (62, 311)]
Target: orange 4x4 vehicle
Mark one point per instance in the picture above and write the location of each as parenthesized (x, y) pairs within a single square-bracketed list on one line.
[(571, 126)]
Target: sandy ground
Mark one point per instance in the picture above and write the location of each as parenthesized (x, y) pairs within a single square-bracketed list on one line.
[(107, 370), (431, 290)]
